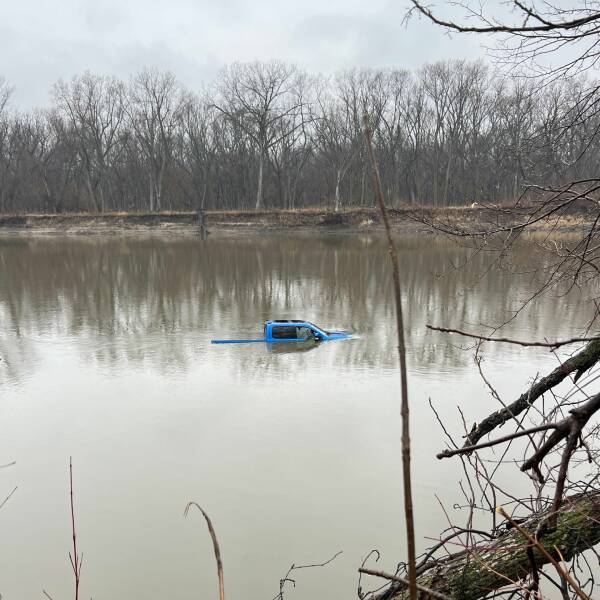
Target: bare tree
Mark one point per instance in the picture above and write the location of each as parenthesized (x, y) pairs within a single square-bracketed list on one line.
[(194, 152), (291, 150), (5, 94), (451, 133), (257, 97), (156, 101), (94, 107), (393, 135), (335, 138)]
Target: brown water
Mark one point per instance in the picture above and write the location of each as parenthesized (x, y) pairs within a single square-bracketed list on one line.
[(106, 356)]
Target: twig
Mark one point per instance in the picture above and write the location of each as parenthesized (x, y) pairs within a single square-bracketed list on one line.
[(8, 497), (75, 559), (295, 567), (424, 564), (408, 505), (215, 542), (362, 566), (286, 577)]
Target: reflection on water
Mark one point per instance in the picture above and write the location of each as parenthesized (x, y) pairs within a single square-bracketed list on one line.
[(294, 347), (292, 448), (125, 293)]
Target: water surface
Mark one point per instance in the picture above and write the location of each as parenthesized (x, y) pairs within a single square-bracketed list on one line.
[(106, 356)]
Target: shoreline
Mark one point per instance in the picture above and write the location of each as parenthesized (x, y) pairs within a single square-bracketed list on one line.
[(353, 220)]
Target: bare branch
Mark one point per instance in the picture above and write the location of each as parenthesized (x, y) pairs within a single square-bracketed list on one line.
[(555, 344), (216, 548), (467, 449), (408, 503), (286, 578), (578, 364), (8, 497), (544, 26)]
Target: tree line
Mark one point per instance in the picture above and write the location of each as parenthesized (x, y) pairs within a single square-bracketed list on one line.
[(269, 135)]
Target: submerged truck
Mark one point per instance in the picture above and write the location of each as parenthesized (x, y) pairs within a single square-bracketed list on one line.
[(292, 330), (295, 330)]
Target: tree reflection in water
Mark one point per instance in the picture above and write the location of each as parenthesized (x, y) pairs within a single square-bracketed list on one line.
[(156, 301)]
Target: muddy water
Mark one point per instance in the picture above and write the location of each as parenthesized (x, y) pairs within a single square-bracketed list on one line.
[(294, 452)]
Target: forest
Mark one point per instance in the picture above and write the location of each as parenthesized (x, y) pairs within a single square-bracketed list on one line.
[(267, 135)]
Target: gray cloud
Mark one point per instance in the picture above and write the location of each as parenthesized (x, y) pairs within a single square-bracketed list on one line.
[(41, 42)]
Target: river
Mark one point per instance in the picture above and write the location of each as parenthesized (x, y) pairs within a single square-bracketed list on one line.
[(294, 452)]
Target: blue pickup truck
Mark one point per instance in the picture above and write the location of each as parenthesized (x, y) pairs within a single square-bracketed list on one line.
[(295, 330), (292, 330)]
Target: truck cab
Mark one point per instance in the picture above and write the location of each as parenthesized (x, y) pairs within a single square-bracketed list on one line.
[(295, 330)]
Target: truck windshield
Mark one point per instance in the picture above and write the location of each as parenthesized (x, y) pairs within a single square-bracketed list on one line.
[(317, 329)]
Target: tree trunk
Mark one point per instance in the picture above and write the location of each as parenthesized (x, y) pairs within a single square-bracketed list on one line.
[(336, 205), (362, 188), (91, 192), (203, 201), (50, 204), (158, 196), (259, 190), (474, 574), (447, 178), (151, 196), (158, 199)]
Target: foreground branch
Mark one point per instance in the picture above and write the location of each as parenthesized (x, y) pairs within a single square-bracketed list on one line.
[(484, 338), (578, 364), (404, 410), (541, 24), (474, 573)]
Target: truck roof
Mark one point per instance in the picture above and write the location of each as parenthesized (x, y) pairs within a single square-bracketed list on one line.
[(287, 321)]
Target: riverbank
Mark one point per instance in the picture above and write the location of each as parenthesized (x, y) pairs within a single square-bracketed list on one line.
[(404, 220)]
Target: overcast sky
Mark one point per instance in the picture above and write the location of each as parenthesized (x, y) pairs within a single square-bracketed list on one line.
[(42, 41)]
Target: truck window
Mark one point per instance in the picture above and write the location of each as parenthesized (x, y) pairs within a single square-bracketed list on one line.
[(284, 333), (304, 333)]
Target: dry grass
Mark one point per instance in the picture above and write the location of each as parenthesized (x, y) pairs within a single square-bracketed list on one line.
[(404, 219)]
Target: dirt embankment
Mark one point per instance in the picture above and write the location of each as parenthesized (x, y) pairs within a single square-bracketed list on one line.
[(404, 220), (317, 219)]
